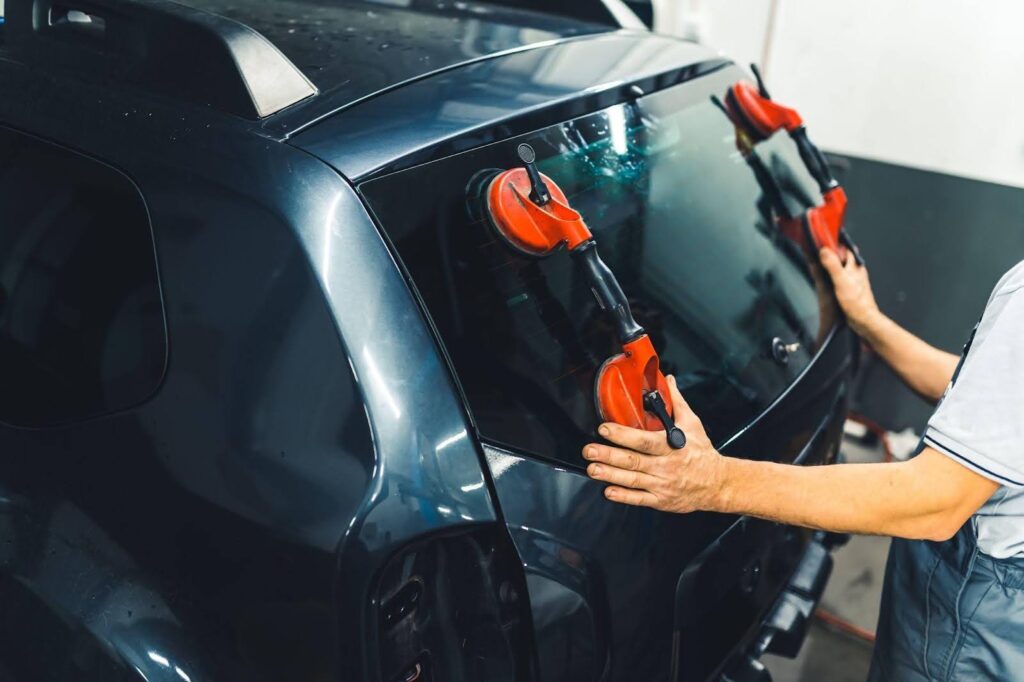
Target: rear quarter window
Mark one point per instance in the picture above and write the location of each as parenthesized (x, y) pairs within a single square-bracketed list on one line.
[(81, 318), (678, 216)]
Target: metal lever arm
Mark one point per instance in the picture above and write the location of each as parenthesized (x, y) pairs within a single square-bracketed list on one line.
[(539, 193), (655, 404)]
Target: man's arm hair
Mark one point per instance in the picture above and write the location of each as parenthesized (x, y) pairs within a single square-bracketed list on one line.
[(928, 497)]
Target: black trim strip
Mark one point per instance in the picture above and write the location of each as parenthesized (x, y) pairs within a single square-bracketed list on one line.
[(951, 451), (530, 120)]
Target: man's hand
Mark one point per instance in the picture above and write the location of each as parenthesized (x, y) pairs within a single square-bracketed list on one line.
[(853, 291), (646, 472), (929, 496), (922, 367)]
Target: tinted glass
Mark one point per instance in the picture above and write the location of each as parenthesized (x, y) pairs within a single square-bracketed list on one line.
[(81, 322), (678, 216)]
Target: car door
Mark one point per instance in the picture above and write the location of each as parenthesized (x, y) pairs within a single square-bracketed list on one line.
[(616, 592)]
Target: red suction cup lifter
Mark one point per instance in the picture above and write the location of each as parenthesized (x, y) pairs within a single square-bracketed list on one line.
[(753, 111), (624, 380), (825, 222), (758, 115), (531, 213)]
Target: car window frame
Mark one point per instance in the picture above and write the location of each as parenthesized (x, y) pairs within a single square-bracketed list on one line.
[(164, 333)]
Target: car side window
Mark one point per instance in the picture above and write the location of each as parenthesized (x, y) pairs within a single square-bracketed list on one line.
[(81, 318)]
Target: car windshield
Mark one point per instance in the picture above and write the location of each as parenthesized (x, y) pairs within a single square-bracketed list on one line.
[(678, 216)]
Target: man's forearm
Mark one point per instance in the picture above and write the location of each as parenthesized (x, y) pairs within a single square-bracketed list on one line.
[(926, 369), (919, 499), (929, 496)]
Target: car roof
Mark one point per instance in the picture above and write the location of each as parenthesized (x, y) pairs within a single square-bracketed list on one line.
[(353, 49), (282, 64)]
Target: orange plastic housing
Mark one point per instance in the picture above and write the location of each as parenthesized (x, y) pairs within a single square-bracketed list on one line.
[(536, 230), (624, 379), (825, 222), (760, 116), (820, 226)]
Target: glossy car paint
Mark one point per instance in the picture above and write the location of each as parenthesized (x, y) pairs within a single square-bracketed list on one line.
[(210, 527), (490, 100), (602, 576), (355, 50), (233, 526)]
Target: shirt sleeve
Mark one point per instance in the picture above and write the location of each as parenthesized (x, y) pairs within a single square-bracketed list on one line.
[(980, 422)]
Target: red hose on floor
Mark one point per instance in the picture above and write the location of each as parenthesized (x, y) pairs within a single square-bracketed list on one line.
[(833, 621), (875, 428), (827, 617)]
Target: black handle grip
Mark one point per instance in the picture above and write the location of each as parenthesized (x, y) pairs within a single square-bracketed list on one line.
[(539, 193), (655, 404), (607, 291), (815, 161), (761, 89)]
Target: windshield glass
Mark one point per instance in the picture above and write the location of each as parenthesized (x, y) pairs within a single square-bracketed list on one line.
[(678, 216)]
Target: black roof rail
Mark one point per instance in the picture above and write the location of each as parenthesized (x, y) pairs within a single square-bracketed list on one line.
[(161, 46)]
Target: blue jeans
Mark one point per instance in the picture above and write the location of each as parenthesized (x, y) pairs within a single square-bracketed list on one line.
[(949, 612)]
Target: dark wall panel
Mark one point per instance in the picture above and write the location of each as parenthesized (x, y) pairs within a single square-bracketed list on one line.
[(935, 244)]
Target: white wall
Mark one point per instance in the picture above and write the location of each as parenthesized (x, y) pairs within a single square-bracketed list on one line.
[(932, 84), (736, 27)]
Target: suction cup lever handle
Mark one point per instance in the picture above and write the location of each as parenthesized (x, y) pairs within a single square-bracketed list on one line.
[(761, 89), (655, 404), (539, 193)]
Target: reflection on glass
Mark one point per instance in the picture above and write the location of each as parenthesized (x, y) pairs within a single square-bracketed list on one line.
[(681, 220)]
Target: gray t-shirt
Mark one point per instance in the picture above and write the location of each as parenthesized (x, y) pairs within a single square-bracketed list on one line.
[(980, 421)]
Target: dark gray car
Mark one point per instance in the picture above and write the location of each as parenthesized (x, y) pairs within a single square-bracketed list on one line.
[(277, 404)]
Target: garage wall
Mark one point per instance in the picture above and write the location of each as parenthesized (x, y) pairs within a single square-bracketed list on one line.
[(918, 102), (932, 84)]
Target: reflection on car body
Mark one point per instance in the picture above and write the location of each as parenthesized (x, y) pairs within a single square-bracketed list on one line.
[(282, 407)]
